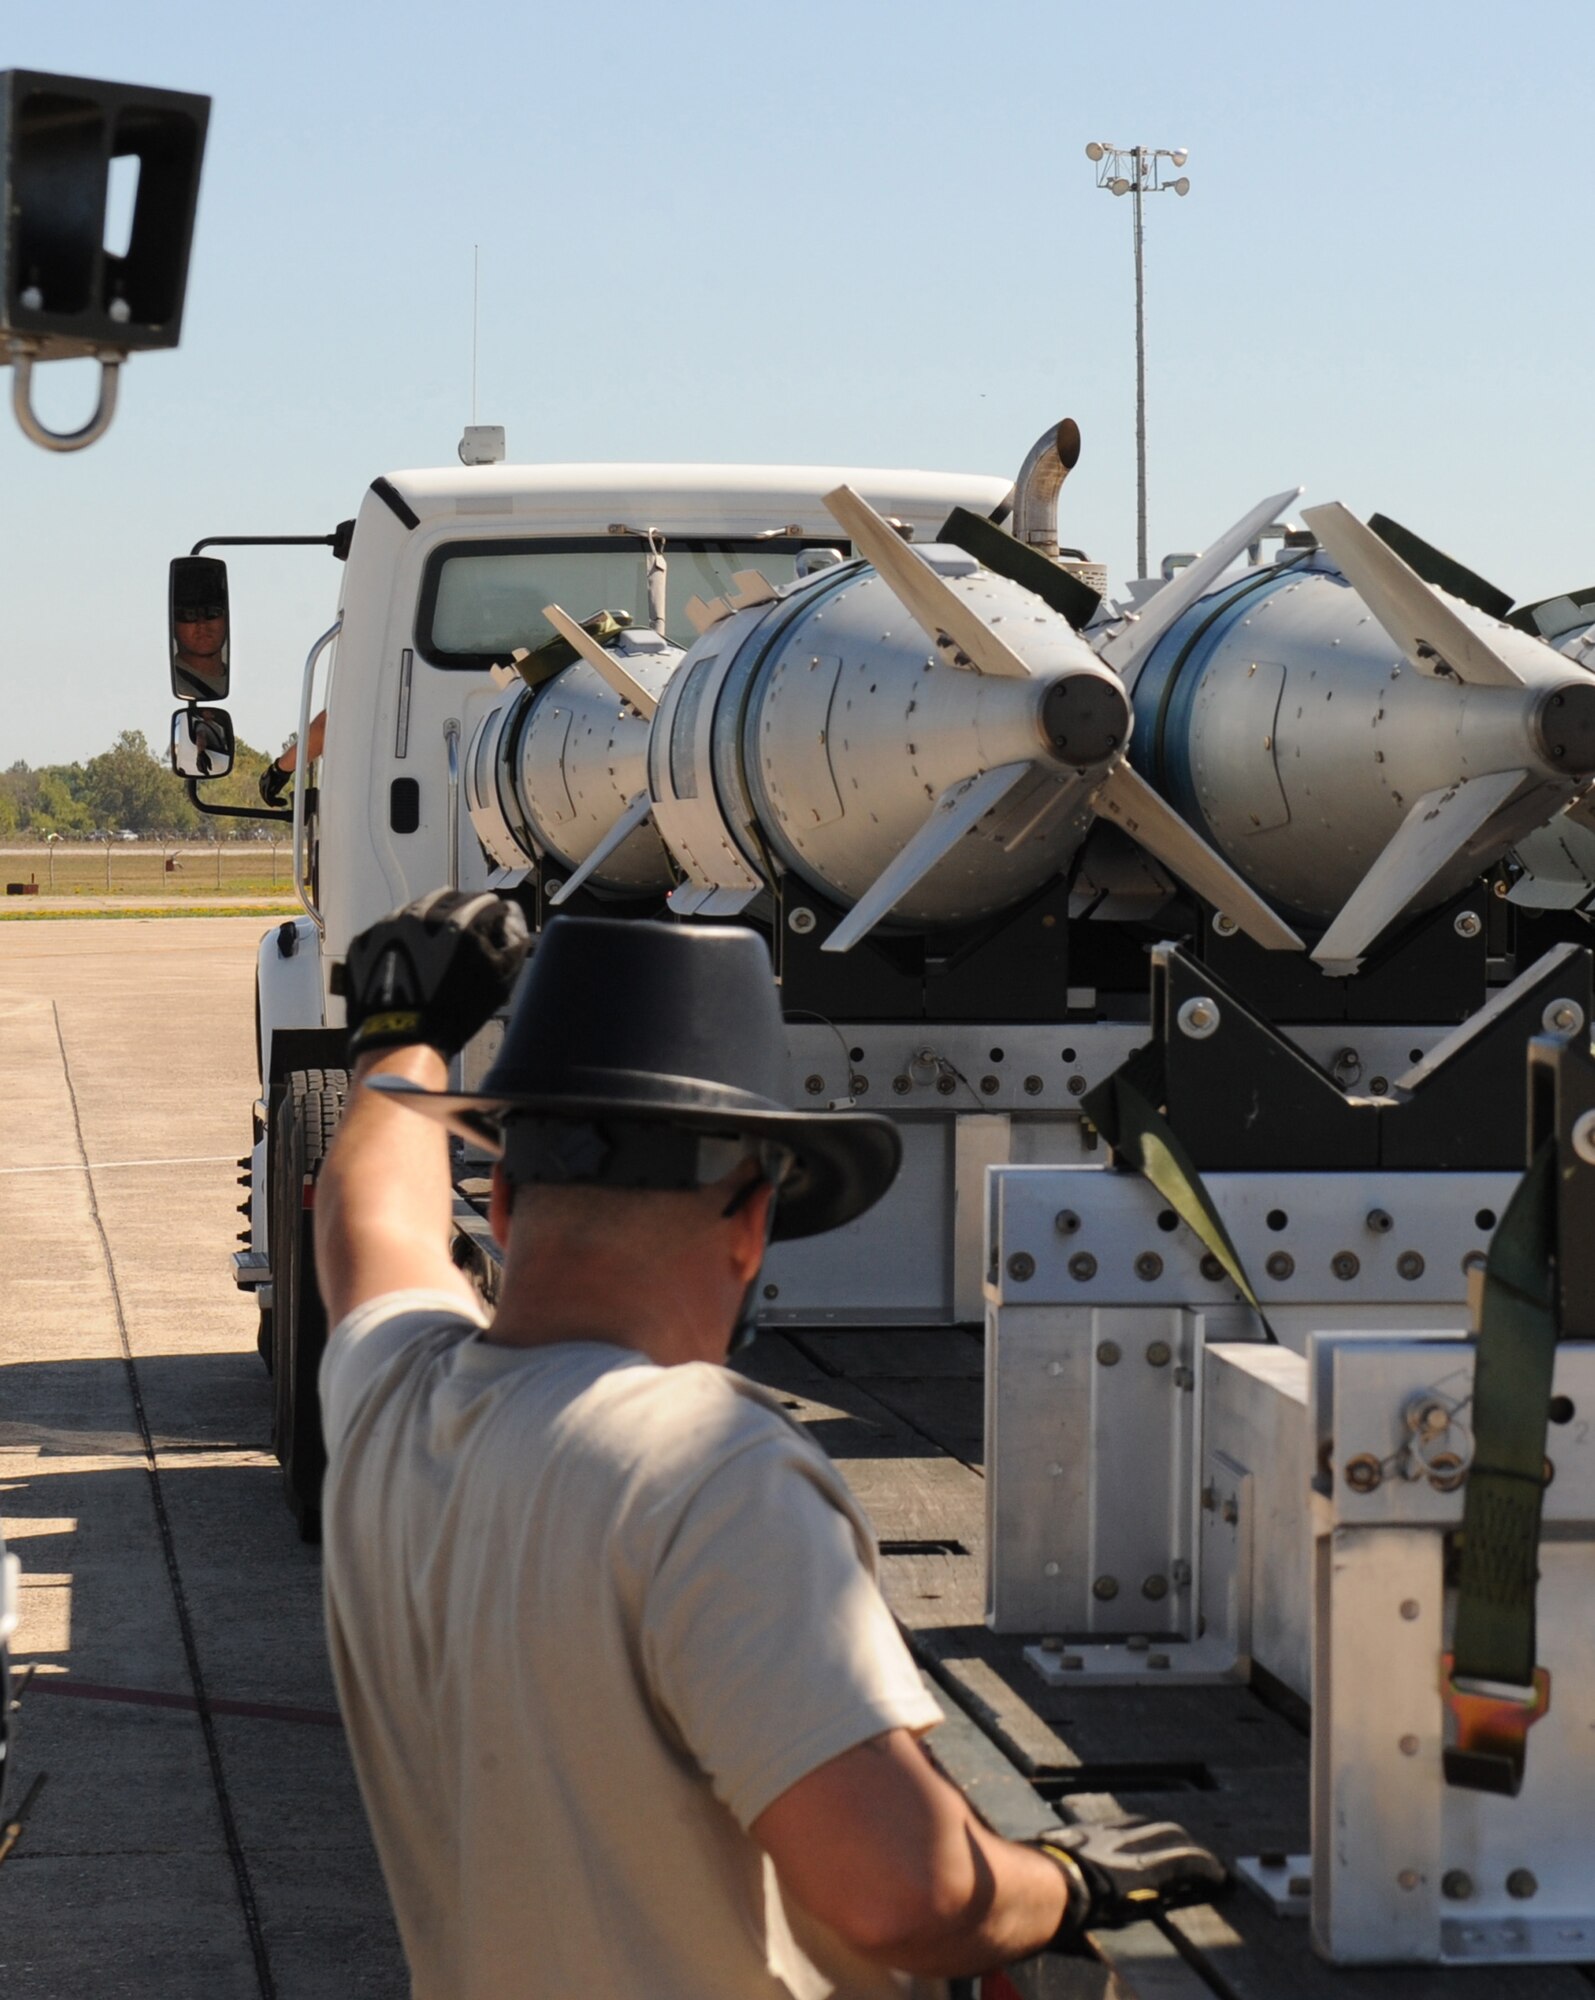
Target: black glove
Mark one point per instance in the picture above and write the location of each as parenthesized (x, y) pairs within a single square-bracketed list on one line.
[(274, 781), (433, 972), (1124, 1871)]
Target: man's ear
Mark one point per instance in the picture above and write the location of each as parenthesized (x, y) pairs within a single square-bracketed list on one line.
[(499, 1203), (750, 1233)]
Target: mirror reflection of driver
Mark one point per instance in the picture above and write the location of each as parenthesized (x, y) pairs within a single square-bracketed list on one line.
[(200, 653)]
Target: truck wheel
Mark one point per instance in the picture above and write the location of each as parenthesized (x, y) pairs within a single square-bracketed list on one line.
[(304, 1121)]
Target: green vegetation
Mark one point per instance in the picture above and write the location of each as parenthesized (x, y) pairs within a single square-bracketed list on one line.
[(125, 786)]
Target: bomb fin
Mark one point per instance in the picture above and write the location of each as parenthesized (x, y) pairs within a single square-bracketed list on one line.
[(622, 830), (1432, 633), (957, 630), (953, 814), (602, 661), (1438, 827), (1126, 651), (1129, 802)]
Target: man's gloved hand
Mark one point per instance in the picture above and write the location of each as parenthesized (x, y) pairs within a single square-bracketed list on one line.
[(433, 972), (1120, 1872), (274, 781)]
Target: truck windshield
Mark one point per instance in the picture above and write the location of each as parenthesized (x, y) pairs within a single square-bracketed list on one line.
[(480, 600)]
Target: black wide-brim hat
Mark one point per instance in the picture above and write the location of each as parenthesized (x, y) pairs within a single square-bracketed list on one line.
[(676, 1025)]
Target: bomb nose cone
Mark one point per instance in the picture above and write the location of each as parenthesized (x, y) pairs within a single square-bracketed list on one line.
[(1085, 718), (1564, 725)]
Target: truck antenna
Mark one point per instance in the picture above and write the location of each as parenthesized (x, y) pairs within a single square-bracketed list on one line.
[(476, 277)]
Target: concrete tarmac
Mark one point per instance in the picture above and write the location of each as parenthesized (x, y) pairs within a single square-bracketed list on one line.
[(199, 1835)]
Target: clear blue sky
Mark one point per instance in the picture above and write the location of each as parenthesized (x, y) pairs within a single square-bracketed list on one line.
[(846, 232)]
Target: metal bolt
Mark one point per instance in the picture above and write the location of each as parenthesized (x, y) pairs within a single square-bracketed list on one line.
[(1180, 1570), (1468, 923), (1137, 1643), (1105, 1587), (1149, 1265), (801, 920), (1364, 1472), (1410, 1608), (1050, 1569), (1409, 1746), (1409, 1265), (1082, 1266), (1232, 1511), (1209, 1497), (1378, 1085), (1300, 1885), (772, 1291), (1021, 1266), (1409, 1878), (1345, 1264), (1159, 1353), (1281, 1265), (1584, 1138), (1155, 1587), (1109, 1353), (989, 1086), (814, 1084), (1076, 1086), (1522, 1883), (857, 1084), (1071, 1662), (1198, 1017), (1563, 1017), (1032, 1086), (1184, 1378), (1380, 1221), (1157, 1660), (1225, 926), (1346, 1068), (1456, 1885), (901, 1085), (946, 1085), (1211, 1268), (1066, 1222), (1052, 1644)]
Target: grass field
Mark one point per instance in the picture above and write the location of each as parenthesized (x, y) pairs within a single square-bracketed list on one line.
[(139, 869)]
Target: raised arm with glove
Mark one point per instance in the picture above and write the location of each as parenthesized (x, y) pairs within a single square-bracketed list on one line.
[(433, 972)]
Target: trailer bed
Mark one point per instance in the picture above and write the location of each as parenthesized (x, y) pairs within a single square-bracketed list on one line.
[(902, 1414)]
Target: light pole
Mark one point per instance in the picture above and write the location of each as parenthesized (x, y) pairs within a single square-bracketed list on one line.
[(1144, 177)]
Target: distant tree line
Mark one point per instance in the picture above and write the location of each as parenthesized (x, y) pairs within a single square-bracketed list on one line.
[(125, 786)]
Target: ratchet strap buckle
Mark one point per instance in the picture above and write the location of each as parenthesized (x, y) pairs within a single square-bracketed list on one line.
[(1487, 1726)]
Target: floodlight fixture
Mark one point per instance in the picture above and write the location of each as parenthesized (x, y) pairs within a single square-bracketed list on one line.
[(1180, 155), (1095, 150), (1120, 186), (1182, 185)]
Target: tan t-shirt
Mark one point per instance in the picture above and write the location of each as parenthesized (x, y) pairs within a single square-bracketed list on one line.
[(589, 1617)]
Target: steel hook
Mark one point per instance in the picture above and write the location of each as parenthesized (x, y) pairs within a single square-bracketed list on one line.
[(22, 356)]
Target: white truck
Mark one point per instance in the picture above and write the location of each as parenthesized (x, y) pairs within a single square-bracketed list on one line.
[(446, 574)]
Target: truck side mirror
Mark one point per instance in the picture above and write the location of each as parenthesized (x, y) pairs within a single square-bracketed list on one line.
[(198, 623), (202, 743)]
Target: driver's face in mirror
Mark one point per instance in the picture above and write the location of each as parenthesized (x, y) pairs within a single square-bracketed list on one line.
[(199, 628)]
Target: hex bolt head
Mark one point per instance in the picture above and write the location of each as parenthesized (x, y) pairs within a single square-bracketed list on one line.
[(1105, 1587), (946, 1085), (1380, 1221), (1076, 1086), (1052, 1644), (1364, 1472), (989, 1086), (1159, 1354), (1033, 1086), (801, 920), (1563, 1018), (1198, 1017), (1155, 1587), (1522, 1883), (1584, 1138), (901, 1085), (857, 1084), (1158, 1660), (1021, 1266), (1280, 1264), (1409, 1265), (1082, 1266), (1185, 1378), (1149, 1265), (1225, 926), (1066, 1222), (1300, 1885), (1456, 1885), (1109, 1353), (814, 1084), (772, 1291), (1345, 1264), (1212, 1269), (1137, 1643), (1467, 923)]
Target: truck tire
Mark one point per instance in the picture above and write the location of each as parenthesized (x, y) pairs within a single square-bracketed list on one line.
[(304, 1120)]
